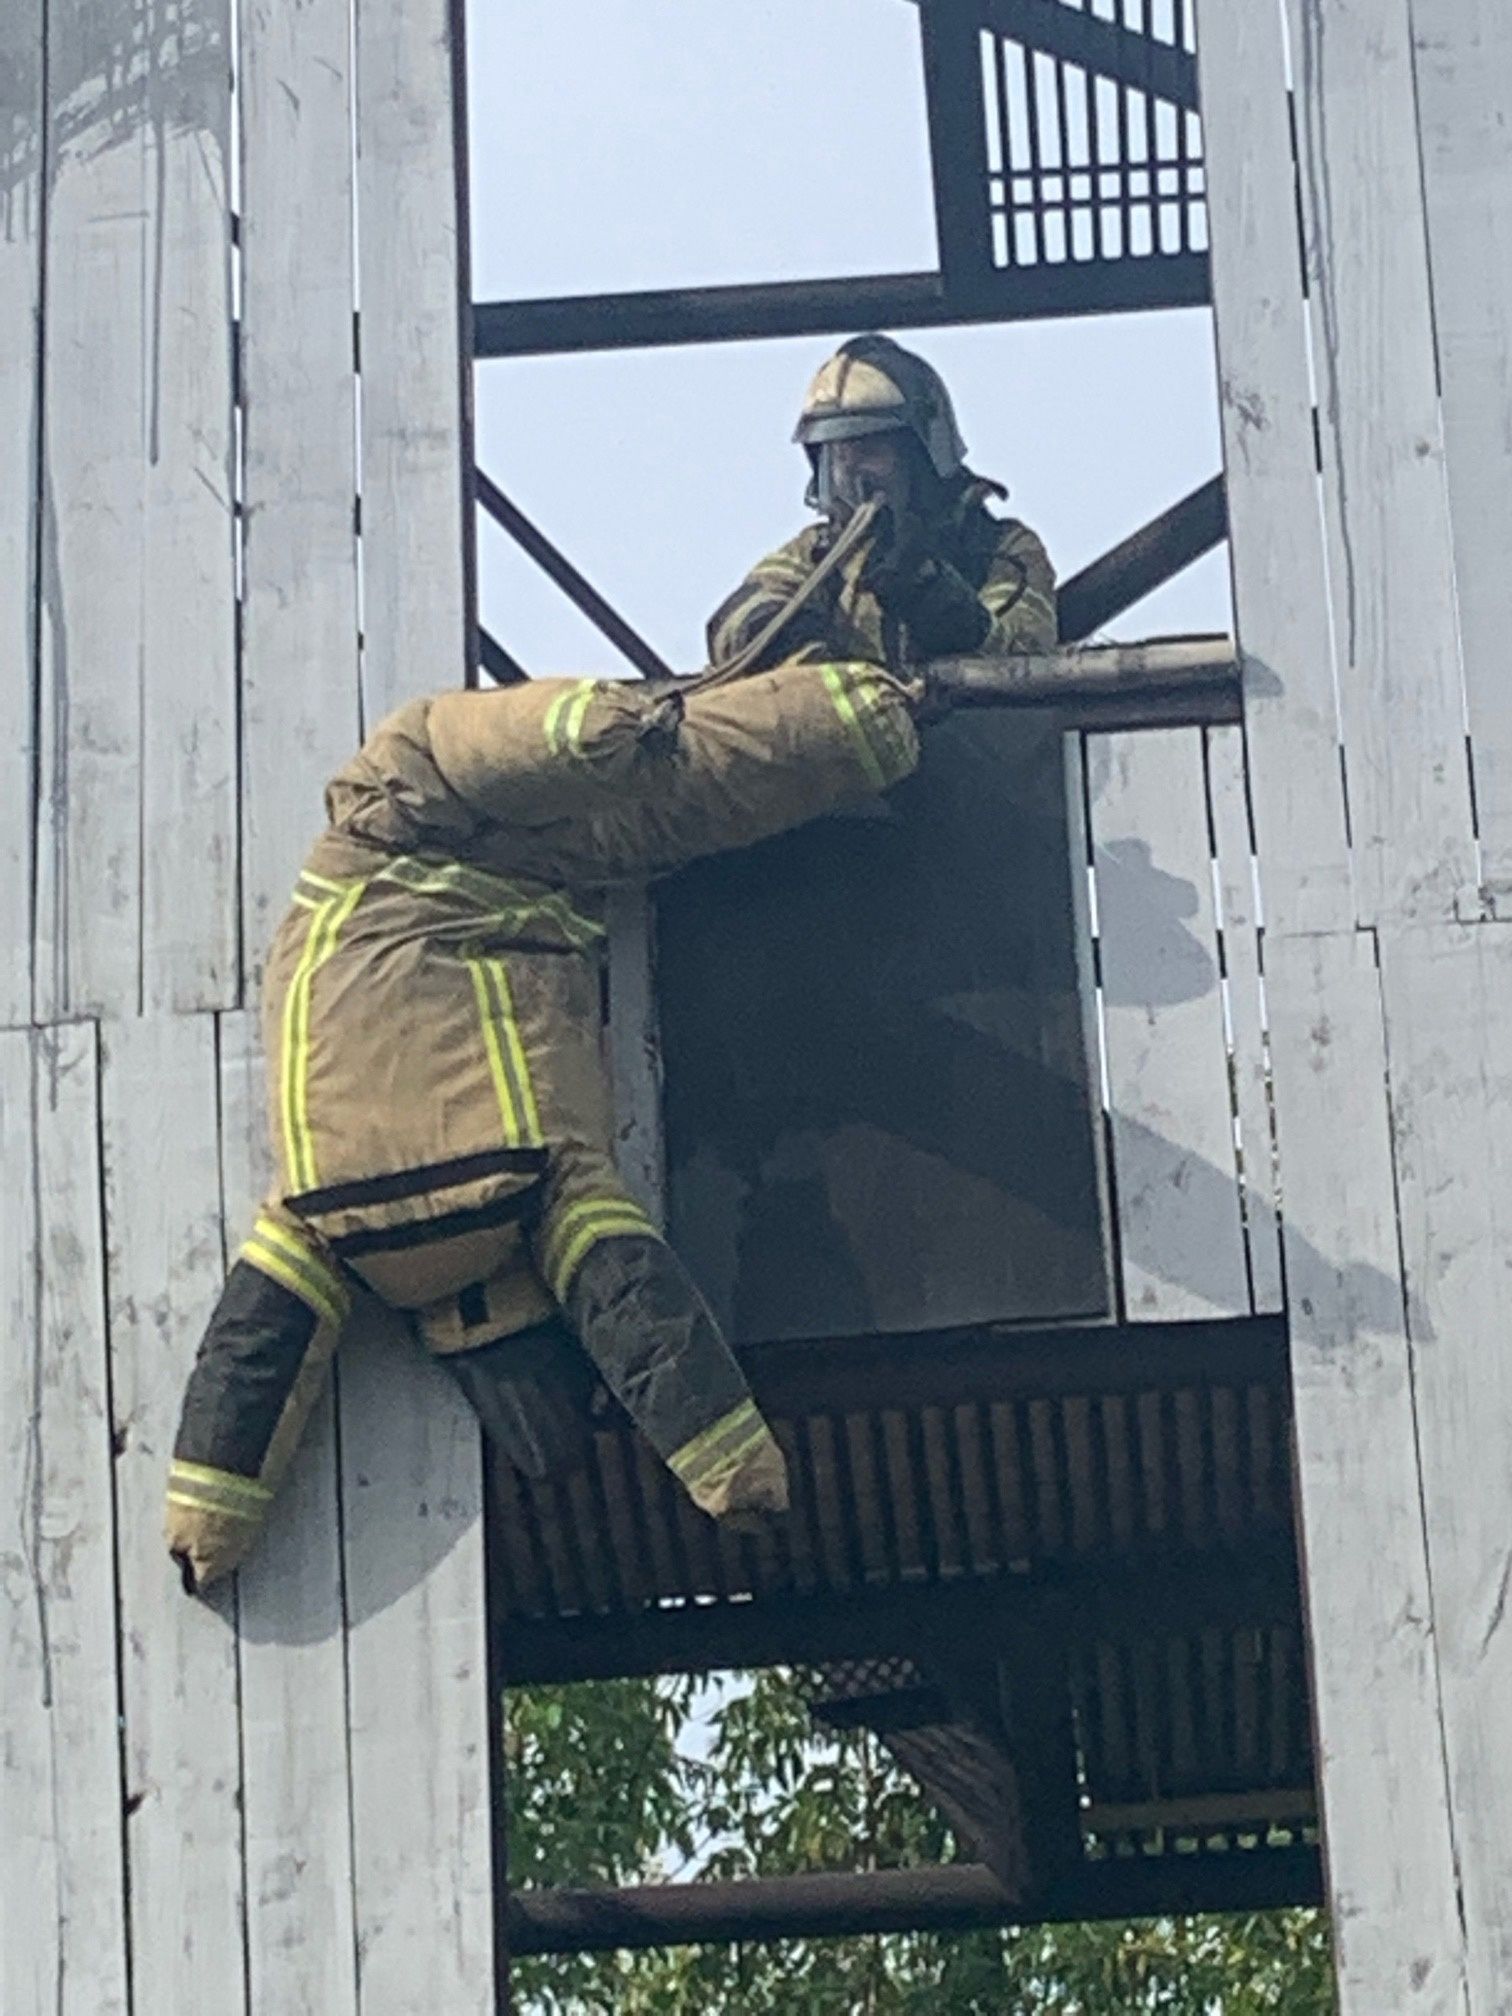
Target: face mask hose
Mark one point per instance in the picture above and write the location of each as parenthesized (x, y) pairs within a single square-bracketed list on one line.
[(858, 528)]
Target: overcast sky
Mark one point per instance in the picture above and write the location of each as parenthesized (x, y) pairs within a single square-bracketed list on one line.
[(620, 144)]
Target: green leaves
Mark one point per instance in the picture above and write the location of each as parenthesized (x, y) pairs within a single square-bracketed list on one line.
[(633, 1781)]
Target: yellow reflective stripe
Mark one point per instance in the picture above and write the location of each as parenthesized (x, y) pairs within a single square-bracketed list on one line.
[(325, 929), (1010, 599), (564, 717), (230, 1481), (553, 717), (507, 1062), (502, 902), (313, 1271), (514, 1050), (581, 1226), (323, 883), (881, 725), (589, 1236), (287, 1103), (222, 1507), (845, 707), (745, 617), (572, 726), (267, 1261), (720, 1448), (747, 607), (884, 755), (304, 902), (300, 1268), (502, 1092), (202, 1489), (324, 933)]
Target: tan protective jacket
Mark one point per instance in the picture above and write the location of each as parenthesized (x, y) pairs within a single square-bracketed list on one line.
[(1000, 560), (433, 1002)]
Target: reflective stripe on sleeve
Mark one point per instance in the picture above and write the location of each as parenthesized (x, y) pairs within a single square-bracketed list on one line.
[(711, 1457), (859, 696), (563, 726), (320, 886), (755, 609), (275, 1250), (204, 1489), (498, 901), (575, 1231)]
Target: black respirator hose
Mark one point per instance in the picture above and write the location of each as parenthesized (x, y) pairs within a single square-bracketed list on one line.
[(857, 528)]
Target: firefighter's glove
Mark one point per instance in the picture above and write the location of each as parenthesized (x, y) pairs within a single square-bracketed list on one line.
[(929, 696), (915, 586)]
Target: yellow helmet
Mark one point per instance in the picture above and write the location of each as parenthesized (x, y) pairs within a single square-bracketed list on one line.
[(872, 385)]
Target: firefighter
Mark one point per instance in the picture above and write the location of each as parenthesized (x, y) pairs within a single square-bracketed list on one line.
[(438, 1099), (937, 572)]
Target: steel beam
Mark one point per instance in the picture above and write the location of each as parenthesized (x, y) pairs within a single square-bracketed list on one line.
[(958, 1897), (1116, 1597), (943, 1368), (1143, 562), (498, 663), (899, 301), (1195, 680), (578, 589)]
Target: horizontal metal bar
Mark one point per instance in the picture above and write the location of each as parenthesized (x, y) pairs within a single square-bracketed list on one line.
[(1196, 679), (1115, 1597), (1143, 562), (944, 1368), (1107, 48), (958, 1897), (950, 1899), (550, 326), (1207, 1812), (574, 585)]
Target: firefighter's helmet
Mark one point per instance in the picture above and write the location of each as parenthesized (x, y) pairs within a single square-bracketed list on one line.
[(871, 386)]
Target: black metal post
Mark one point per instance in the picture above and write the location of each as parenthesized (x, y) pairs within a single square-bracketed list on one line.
[(575, 586), (1143, 562)]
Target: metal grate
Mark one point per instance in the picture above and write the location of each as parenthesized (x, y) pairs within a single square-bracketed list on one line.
[(1085, 166)]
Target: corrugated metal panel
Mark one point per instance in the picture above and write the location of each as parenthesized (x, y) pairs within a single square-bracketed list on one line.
[(889, 1495)]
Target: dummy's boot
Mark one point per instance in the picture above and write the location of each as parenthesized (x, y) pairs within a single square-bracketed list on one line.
[(258, 1374), (657, 1347)]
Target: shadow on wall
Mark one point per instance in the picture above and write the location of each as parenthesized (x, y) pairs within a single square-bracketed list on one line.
[(109, 73), (407, 1498)]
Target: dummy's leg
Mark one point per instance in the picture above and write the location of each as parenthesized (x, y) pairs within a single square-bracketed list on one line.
[(259, 1371), (656, 1345), (525, 1375)]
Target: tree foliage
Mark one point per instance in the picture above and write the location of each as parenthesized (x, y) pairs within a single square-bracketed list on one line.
[(646, 1780)]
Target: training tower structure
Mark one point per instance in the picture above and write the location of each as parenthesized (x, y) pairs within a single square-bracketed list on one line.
[(235, 345)]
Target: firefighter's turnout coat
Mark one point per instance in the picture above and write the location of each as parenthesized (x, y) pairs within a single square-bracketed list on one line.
[(988, 587), (438, 1094)]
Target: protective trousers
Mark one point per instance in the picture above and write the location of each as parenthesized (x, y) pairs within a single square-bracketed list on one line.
[(258, 1374), (632, 1314), (653, 1341)]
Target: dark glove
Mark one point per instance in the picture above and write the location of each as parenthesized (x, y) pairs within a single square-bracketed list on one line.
[(894, 551), (941, 609)]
